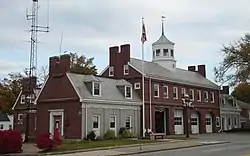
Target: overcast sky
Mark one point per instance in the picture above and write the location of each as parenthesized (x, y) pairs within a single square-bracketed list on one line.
[(90, 27)]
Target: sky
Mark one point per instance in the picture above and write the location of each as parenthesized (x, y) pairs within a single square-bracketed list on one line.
[(90, 27)]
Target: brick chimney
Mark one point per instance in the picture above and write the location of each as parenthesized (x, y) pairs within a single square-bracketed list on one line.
[(59, 65), (25, 83), (202, 70), (118, 57), (191, 68), (225, 90)]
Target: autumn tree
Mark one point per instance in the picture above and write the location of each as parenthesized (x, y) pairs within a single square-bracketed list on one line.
[(242, 92), (235, 66)]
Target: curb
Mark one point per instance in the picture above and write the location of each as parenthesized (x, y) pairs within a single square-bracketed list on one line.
[(174, 148)]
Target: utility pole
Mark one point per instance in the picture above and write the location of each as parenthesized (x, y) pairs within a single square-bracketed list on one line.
[(35, 28)]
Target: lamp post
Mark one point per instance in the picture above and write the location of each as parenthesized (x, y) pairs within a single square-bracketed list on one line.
[(186, 104)]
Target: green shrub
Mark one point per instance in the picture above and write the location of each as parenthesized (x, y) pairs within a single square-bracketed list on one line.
[(126, 134), (109, 135), (121, 130), (91, 135)]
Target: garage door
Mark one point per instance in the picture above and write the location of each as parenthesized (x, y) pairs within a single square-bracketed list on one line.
[(209, 123), (178, 121), (195, 123)]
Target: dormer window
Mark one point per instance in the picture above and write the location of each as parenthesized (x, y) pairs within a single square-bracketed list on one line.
[(158, 51), (172, 53), (96, 89), (126, 69), (128, 92), (165, 52), (111, 71)]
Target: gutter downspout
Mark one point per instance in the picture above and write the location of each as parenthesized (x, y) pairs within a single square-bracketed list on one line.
[(150, 104)]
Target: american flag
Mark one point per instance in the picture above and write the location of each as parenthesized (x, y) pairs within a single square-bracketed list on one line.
[(143, 35)]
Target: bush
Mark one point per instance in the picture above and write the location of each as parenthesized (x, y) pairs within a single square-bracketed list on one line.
[(121, 130), (91, 135), (126, 134), (10, 141), (45, 142), (109, 135)]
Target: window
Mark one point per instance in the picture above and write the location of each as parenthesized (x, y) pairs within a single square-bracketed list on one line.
[(198, 95), (165, 91), (128, 122), (112, 122), (96, 89), (20, 117), (172, 53), (137, 85), (223, 101), (229, 121), (217, 121), (212, 97), (22, 99), (183, 92), (235, 121), (126, 69), (156, 90), (96, 121), (1, 126), (175, 93), (153, 54), (10, 127), (128, 92), (206, 96), (111, 71), (158, 52), (191, 94), (208, 121), (194, 121), (165, 52), (177, 120)]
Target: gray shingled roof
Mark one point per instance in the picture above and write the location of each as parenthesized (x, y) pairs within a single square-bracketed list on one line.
[(243, 105), (4, 117), (178, 75), (109, 88), (163, 40), (228, 102)]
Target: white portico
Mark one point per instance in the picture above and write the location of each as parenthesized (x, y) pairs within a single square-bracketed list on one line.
[(163, 52)]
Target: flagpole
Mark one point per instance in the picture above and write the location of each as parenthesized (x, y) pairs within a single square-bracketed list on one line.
[(143, 88)]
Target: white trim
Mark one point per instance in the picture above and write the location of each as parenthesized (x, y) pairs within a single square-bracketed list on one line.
[(158, 90), (165, 97), (93, 88), (130, 92), (23, 98), (51, 121), (176, 88), (130, 121), (111, 101), (192, 91), (56, 110), (76, 90), (35, 102), (199, 92), (124, 69), (104, 70), (137, 83), (183, 91), (17, 100), (111, 67), (96, 130), (110, 106), (114, 129), (206, 93)]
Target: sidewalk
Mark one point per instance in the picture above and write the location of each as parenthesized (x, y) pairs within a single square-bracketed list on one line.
[(136, 149)]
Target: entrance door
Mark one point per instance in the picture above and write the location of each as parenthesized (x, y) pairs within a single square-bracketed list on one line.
[(178, 121), (159, 121), (209, 123), (57, 124), (112, 123), (96, 125), (195, 123)]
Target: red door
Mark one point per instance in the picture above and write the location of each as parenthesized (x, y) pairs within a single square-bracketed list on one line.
[(58, 124)]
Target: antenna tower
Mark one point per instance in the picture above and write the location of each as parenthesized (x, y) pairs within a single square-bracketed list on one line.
[(35, 28)]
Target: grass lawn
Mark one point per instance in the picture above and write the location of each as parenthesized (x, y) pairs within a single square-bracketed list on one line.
[(75, 145)]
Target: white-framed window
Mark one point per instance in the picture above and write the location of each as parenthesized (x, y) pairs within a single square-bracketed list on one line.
[(212, 97), (126, 69), (206, 96), (96, 122), (22, 99), (1, 126), (208, 121), (229, 121), (198, 95), (235, 121), (191, 91), (156, 90), (183, 92), (137, 85), (217, 121), (111, 71), (112, 121), (175, 93), (158, 51), (128, 92), (165, 52), (177, 120), (128, 122), (194, 121), (165, 91), (223, 101), (20, 117), (96, 88)]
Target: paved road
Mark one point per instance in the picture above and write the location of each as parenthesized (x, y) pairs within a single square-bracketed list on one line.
[(239, 146)]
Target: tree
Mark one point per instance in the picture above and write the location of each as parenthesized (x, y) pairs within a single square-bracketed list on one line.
[(235, 67), (42, 75), (82, 65), (242, 92)]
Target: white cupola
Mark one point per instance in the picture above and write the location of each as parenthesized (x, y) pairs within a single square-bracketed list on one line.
[(163, 51)]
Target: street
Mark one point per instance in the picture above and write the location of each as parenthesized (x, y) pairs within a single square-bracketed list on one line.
[(239, 146)]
